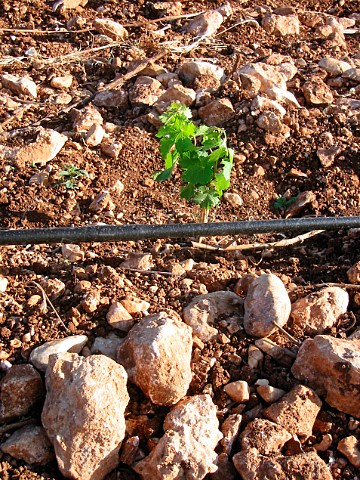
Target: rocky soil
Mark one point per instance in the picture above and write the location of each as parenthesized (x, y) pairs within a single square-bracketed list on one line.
[(232, 358)]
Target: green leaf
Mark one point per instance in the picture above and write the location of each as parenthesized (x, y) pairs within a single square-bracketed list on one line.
[(206, 198), (187, 192), (221, 183), (200, 173), (162, 175)]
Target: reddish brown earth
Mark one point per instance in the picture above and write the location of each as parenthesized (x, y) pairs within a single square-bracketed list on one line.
[(265, 174)]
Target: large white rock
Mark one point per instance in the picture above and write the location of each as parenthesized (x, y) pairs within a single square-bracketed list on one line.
[(281, 25), (331, 366), (187, 450), (156, 355), (320, 310), (266, 302), (19, 85), (203, 311), (46, 146), (39, 357), (83, 413), (197, 70)]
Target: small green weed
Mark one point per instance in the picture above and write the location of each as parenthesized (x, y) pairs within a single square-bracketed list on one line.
[(283, 203), (70, 175), (202, 154)]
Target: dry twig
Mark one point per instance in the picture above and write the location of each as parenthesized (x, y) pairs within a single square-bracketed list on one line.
[(51, 305), (258, 246)]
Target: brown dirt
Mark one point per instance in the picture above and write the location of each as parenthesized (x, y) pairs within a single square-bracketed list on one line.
[(323, 259)]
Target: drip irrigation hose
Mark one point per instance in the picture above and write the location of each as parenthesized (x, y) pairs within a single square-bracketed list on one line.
[(116, 233)]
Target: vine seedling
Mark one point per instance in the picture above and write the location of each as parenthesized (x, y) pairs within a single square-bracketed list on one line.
[(70, 175), (202, 154)]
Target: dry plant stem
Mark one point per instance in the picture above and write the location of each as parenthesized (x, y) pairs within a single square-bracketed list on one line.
[(120, 81), (252, 246), (76, 56), (51, 305), (287, 334), (37, 31), (349, 286), (151, 272), (162, 19)]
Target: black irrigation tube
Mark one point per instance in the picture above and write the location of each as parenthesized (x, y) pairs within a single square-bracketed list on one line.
[(115, 233)]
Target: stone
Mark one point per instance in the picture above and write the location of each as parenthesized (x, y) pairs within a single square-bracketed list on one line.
[(217, 112), (166, 9), (187, 449), (53, 287), (327, 155), (333, 66), (303, 200), (118, 317), (101, 202), (353, 273), (230, 430), (316, 92), (296, 411), (145, 92), (107, 346), (3, 283), (47, 145), (203, 311), (255, 357), (272, 122), (115, 97), (319, 311), (72, 252), (352, 74), (91, 300), (282, 355), (111, 29), (83, 414), (86, 118), (135, 305), (350, 448), (281, 25), (156, 355), (251, 465), (238, 391), (267, 437), (331, 366), (270, 394), (19, 85), (233, 199), (69, 4), (112, 149), (269, 75), (138, 261), (266, 302), (20, 390), (94, 135), (29, 444), (176, 93), (39, 357), (201, 74), (205, 24), (61, 82), (261, 104)]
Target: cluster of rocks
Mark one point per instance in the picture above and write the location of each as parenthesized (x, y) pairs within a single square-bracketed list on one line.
[(85, 393), (264, 84)]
